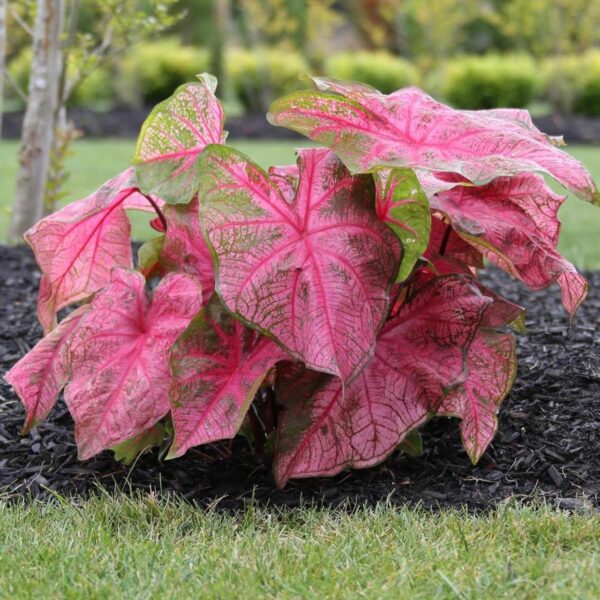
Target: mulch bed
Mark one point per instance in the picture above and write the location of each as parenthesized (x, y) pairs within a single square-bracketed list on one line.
[(548, 445)]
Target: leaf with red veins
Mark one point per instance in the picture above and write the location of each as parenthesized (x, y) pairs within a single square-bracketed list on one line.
[(315, 274), (448, 252), (286, 180), (410, 129), (77, 247), (492, 366), (218, 366), (184, 249), (402, 204), (173, 136), (42, 373), (419, 359), (119, 355), (514, 223)]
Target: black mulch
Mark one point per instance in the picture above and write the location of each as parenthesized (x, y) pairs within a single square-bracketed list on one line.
[(548, 445)]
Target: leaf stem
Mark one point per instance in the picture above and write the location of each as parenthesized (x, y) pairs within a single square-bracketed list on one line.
[(159, 212), (445, 239)]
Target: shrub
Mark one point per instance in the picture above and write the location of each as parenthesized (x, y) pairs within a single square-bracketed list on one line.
[(258, 76), (561, 82), (571, 83), (381, 70), (302, 284), (480, 82), (151, 70)]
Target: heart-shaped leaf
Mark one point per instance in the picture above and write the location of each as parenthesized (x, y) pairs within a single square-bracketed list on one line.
[(492, 366), (172, 137), (42, 373), (403, 205), (514, 223), (314, 274), (217, 365), (408, 128), (119, 356), (419, 358), (184, 249), (77, 247)]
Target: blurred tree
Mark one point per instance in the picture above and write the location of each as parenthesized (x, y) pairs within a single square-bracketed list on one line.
[(64, 54), (553, 27), (3, 26)]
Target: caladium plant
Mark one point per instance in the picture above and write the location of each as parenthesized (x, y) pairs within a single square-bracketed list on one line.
[(332, 306)]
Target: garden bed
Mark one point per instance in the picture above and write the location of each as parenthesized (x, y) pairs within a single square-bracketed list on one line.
[(548, 445)]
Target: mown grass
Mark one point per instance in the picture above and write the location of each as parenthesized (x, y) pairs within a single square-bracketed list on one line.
[(143, 547), (95, 161)]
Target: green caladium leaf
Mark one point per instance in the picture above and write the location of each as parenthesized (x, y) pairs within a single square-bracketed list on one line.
[(173, 136), (149, 256), (412, 444), (403, 205), (127, 451)]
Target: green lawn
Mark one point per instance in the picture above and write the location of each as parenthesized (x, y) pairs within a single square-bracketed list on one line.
[(149, 548), (95, 161)]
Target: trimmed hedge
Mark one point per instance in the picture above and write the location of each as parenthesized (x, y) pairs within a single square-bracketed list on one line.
[(259, 76), (382, 70), (491, 81), (152, 70)]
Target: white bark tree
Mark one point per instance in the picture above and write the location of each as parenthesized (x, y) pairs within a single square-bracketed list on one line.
[(3, 17), (38, 122)]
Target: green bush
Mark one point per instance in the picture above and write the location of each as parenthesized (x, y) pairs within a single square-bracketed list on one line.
[(152, 70), (571, 83), (97, 90), (492, 81), (382, 70), (257, 77)]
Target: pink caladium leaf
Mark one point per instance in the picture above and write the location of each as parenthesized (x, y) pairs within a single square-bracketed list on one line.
[(514, 223), (492, 367), (119, 355), (314, 274), (42, 373), (419, 359), (286, 179), (402, 204), (184, 249), (408, 128), (77, 247), (172, 137), (217, 365)]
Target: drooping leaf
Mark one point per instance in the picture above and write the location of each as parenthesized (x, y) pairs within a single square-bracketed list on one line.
[(184, 249), (127, 451), (410, 129), (514, 223), (77, 247), (217, 365), (412, 444), (173, 136), (403, 205), (149, 257), (492, 367), (119, 353), (41, 374), (314, 274), (419, 358)]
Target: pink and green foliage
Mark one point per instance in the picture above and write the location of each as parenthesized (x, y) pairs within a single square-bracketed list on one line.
[(342, 290), (319, 267)]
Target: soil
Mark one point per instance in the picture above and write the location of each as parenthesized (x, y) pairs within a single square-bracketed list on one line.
[(547, 447), (126, 122)]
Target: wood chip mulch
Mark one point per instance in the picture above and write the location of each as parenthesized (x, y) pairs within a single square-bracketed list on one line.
[(547, 447)]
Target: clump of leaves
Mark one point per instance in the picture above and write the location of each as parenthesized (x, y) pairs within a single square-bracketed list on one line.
[(339, 295)]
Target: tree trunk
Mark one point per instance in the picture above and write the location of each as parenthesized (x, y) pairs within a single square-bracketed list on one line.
[(38, 123), (3, 11)]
